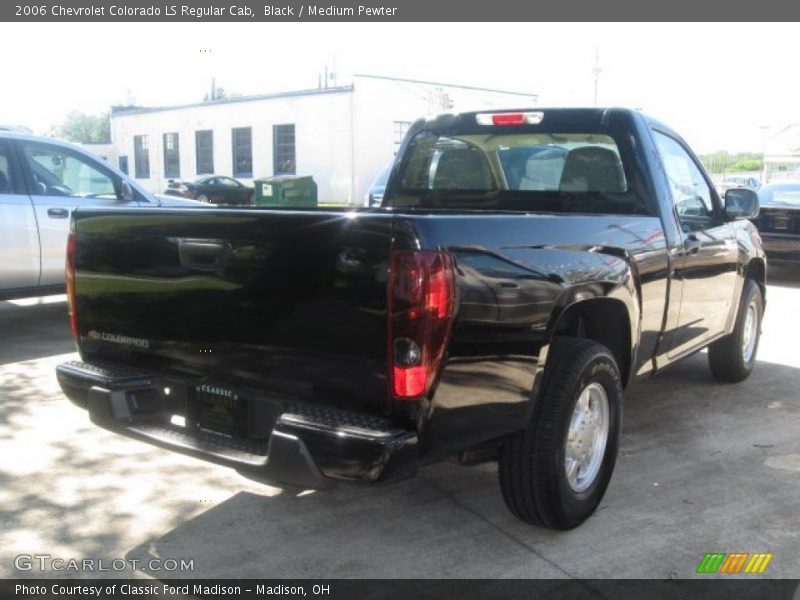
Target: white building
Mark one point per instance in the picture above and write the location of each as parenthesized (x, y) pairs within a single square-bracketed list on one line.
[(343, 136), (105, 151)]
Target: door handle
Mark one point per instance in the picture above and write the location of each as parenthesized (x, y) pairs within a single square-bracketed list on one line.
[(203, 255), (57, 213)]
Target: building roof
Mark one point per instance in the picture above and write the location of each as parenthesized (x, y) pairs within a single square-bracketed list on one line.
[(117, 111)]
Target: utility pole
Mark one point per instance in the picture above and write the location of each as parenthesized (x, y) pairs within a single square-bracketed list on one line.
[(596, 71)]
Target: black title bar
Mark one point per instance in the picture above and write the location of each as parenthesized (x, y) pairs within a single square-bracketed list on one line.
[(246, 11)]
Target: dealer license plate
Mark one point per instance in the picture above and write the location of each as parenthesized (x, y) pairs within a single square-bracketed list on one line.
[(221, 410)]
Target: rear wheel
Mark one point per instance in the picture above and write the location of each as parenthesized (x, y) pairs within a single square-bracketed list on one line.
[(732, 358), (203, 198), (555, 472)]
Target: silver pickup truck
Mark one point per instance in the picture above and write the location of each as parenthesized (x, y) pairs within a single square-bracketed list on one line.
[(42, 180)]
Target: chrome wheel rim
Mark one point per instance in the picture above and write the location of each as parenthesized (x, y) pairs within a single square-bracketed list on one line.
[(750, 332), (587, 437)]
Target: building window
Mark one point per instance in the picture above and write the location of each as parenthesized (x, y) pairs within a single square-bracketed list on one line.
[(204, 146), (172, 155), (123, 164), (242, 142), (141, 157), (400, 131), (283, 155)]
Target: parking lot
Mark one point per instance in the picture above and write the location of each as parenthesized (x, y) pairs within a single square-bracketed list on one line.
[(704, 467)]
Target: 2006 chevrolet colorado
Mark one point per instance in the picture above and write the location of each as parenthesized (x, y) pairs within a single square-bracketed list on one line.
[(524, 268)]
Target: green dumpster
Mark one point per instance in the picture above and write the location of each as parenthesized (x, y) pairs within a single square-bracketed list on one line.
[(285, 190)]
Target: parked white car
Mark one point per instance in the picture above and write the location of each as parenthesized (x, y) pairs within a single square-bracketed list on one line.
[(42, 180)]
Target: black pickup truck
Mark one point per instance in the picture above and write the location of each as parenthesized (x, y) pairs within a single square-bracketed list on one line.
[(525, 267)]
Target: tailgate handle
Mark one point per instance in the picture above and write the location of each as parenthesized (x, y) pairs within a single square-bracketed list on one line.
[(203, 255)]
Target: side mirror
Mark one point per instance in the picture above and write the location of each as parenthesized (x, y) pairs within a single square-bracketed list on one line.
[(741, 203), (126, 192)]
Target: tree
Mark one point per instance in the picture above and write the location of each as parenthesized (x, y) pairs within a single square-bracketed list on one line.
[(747, 164), (725, 162), (84, 128)]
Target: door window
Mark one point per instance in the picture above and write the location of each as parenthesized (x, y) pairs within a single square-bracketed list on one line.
[(690, 192), (57, 171), (227, 182)]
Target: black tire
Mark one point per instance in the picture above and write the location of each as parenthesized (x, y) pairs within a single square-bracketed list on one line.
[(532, 468), (726, 356)]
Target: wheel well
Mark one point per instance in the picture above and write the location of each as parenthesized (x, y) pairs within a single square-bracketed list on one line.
[(604, 320), (757, 271)]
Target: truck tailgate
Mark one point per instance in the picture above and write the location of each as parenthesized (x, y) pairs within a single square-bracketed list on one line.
[(291, 302)]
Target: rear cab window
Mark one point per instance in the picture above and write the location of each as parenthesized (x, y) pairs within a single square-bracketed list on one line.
[(529, 167)]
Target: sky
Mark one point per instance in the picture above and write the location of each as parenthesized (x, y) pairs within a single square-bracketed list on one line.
[(722, 86)]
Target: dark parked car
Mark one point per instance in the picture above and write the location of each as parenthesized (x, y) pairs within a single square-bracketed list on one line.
[(494, 307), (216, 189), (779, 221)]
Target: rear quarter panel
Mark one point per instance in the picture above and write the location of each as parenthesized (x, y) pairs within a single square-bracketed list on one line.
[(515, 274)]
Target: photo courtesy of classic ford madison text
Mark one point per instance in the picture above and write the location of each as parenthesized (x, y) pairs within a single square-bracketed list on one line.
[(325, 300)]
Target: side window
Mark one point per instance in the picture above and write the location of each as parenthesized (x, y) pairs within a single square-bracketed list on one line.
[(172, 155), (283, 150), (56, 171), (141, 157), (242, 142), (226, 182), (690, 192), (8, 183)]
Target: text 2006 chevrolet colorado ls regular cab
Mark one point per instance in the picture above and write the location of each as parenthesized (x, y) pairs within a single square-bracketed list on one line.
[(524, 268)]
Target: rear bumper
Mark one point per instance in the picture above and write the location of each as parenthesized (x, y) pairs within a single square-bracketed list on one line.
[(781, 247), (302, 445)]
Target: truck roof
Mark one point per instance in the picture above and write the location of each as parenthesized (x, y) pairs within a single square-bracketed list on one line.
[(589, 117)]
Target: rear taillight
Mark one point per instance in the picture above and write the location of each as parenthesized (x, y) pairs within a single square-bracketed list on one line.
[(421, 304), (70, 280)]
